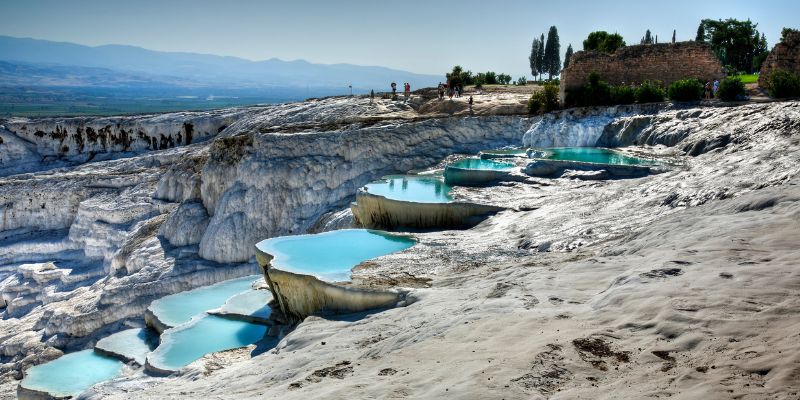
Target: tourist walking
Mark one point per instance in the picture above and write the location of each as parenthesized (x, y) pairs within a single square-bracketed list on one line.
[(371, 96), (407, 91), (470, 103), (441, 91)]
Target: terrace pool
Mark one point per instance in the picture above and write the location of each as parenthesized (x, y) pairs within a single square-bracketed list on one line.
[(414, 188), (589, 154), (71, 374), (189, 342), (331, 255), (179, 308), (482, 164)]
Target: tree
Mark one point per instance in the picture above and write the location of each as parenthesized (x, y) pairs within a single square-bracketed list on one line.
[(534, 57), (648, 38), (733, 41), (552, 53), (568, 56), (761, 52), (701, 33), (459, 77), (603, 41), (540, 56), (503, 79), (673, 36)]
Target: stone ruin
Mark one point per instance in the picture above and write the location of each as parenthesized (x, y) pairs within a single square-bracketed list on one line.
[(665, 62), (784, 56)]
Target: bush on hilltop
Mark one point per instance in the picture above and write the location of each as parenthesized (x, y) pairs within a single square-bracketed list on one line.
[(650, 92), (731, 89), (686, 90), (782, 84), (545, 100)]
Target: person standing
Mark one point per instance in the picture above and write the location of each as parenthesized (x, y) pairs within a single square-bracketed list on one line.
[(716, 87), (371, 96), (707, 89)]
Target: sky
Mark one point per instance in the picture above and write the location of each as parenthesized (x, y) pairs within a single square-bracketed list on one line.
[(423, 36)]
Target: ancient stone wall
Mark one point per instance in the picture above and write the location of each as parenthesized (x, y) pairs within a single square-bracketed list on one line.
[(665, 62), (785, 55)]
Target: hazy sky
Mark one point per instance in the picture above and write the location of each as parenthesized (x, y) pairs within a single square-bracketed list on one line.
[(421, 36)]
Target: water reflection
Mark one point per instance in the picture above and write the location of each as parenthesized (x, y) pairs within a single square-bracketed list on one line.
[(416, 188)]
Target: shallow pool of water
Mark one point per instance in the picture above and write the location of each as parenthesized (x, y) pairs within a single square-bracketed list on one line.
[(71, 374), (482, 164), (179, 308), (186, 343), (416, 188), (331, 255), (133, 344), (590, 154)]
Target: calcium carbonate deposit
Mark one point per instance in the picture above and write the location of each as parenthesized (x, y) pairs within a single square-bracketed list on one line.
[(681, 283)]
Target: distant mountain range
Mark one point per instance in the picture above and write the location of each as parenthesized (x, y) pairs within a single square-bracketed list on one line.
[(33, 62)]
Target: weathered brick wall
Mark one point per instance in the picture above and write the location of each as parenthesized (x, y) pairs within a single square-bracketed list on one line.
[(665, 62), (785, 55)]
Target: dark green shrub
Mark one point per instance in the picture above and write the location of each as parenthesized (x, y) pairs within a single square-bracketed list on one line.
[(782, 84), (545, 100), (623, 95), (730, 89), (603, 41), (686, 90), (649, 92)]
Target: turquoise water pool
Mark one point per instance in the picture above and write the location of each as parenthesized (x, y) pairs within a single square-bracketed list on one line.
[(179, 308), (331, 255), (184, 344), (131, 343), (71, 374), (482, 164), (416, 188), (590, 154)]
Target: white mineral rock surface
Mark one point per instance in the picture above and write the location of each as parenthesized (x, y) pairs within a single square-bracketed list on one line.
[(679, 284)]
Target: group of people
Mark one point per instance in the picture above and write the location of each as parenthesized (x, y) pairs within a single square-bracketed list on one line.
[(711, 89), (406, 90), (456, 91), (452, 90)]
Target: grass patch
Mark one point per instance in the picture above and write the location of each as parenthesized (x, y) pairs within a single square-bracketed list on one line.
[(748, 78)]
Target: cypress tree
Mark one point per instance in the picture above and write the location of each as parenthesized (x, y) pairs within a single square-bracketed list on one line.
[(648, 38), (701, 33), (534, 57), (673, 36), (540, 57), (552, 53), (567, 56)]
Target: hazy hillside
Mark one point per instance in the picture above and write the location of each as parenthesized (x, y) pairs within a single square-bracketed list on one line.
[(205, 69)]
